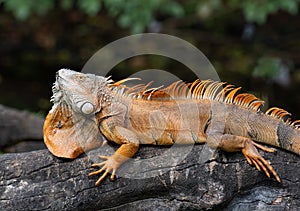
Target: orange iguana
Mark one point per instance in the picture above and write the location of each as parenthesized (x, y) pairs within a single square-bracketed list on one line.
[(130, 116)]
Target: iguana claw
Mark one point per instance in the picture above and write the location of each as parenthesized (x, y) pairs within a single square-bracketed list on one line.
[(254, 158), (109, 165)]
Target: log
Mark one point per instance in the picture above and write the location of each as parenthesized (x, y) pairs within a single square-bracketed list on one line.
[(197, 179), (16, 126)]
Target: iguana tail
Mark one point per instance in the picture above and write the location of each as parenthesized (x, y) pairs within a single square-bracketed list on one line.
[(288, 137), (275, 128)]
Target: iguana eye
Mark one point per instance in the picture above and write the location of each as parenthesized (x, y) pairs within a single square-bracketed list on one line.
[(87, 108)]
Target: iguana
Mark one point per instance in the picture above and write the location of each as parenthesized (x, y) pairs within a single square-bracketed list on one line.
[(130, 116)]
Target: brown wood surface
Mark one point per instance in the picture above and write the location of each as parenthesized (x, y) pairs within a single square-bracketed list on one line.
[(37, 180)]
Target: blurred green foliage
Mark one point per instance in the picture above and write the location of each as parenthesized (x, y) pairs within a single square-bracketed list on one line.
[(137, 14), (267, 67), (22, 9), (134, 14), (258, 10), (255, 11)]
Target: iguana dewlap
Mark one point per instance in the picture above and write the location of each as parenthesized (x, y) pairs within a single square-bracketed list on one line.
[(87, 107)]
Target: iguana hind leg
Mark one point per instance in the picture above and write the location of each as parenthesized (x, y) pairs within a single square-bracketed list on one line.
[(232, 143)]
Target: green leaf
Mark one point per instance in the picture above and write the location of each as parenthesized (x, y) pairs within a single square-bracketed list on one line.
[(41, 7), (290, 5), (258, 10), (20, 9), (267, 67), (173, 8), (66, 4), (90, 7)]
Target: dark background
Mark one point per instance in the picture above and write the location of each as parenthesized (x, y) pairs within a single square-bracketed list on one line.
[(253, 44)]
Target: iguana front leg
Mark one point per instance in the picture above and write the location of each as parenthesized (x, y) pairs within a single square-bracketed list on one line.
[(129, 146), (232, 143)]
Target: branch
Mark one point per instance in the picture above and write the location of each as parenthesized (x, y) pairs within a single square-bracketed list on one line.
[(38, 180), (19, 125)]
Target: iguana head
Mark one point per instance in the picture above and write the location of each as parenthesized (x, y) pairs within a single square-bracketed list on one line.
[(84, 93), (71, 127)]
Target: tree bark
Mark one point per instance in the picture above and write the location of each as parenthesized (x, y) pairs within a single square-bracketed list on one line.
[(201, 180)]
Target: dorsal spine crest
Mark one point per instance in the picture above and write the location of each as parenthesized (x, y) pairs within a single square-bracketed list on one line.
[(206, 89)]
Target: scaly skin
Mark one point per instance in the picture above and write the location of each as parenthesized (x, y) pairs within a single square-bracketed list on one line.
[(197, 115)]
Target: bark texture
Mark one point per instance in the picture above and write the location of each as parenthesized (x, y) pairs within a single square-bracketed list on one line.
[(201, 180)]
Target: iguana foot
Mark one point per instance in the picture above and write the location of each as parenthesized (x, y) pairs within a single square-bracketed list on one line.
[(109, 165), (254, 158), (112, 163)]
